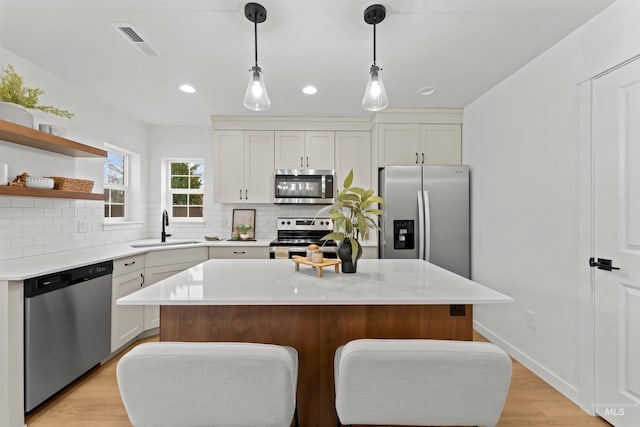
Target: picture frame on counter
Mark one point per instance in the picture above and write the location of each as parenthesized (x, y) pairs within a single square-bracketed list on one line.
[(243, 224)]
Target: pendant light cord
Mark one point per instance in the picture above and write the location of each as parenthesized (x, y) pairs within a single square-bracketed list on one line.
[(255, 38), (374, 44)]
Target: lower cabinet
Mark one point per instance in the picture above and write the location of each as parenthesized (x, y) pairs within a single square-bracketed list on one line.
[(239, 252), (127, 321), (162, 264)]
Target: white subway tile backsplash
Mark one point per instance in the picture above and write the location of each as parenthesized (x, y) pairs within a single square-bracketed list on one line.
[(21, 222), (22, 202), (5, 202), (52, 211), (21, 242), (33, 250), (43, 203), (32, 212)]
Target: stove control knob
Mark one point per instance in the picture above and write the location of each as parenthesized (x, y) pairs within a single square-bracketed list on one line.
[(288, 222), (282, 222)]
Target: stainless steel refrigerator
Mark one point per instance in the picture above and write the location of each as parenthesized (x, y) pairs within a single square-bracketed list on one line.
[(426, 215)]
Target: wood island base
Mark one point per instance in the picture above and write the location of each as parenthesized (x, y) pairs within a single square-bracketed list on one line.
[(315, 331)]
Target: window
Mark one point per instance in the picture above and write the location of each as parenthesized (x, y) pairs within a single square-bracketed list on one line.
[(116, 183), (186, 188)]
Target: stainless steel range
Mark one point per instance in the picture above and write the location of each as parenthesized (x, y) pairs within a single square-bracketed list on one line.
[(295, 234)]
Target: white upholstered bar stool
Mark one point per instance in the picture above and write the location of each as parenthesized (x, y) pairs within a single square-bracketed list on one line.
[(420, 382), (180, 384)]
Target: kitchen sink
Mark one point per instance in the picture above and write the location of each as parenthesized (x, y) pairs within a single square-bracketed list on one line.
[(175, 243)]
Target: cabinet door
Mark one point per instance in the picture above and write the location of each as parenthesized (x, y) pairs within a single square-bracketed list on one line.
[(399, 144), (127, 321), (229, 173), (289, 150), (319, 150), (353, 151), (441, 144), (258, 170)]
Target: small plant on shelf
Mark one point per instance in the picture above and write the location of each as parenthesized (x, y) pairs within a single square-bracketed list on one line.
[(12, 90)]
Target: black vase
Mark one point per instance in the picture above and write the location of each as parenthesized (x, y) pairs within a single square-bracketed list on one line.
[(344, 253)]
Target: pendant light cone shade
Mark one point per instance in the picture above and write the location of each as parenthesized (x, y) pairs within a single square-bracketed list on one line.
[(256, 97), (375, 96)]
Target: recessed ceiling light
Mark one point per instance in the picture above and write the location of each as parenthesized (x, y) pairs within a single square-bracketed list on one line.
[(309, 90), (187, 88), (427, 90)]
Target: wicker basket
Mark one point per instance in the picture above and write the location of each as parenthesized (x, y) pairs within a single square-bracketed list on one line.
[(72, 184)]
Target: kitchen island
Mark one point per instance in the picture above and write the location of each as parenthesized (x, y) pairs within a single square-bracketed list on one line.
[(268, 301)]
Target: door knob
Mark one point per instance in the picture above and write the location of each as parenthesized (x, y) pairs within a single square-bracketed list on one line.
[(602, 264)]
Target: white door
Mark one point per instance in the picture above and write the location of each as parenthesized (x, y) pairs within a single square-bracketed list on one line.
[(616, 140), (399, 144), (289, 149), (258, 169), (229, 173), (441, 144), (319, 150)]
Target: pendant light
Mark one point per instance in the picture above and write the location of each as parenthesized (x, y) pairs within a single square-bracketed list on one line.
[(256, 98), (375, 97)]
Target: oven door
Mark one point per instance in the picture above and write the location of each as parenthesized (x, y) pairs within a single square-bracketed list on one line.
[(308, 186)]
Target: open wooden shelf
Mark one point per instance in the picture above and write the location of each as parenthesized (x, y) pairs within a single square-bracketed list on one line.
[(22, 135), (7, 190)]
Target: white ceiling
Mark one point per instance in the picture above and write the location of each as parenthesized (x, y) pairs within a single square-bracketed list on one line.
[(462, 47)]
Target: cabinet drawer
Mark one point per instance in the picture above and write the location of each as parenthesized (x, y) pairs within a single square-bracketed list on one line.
[(176, 256), (248, 252), (126, 284), (125, 265)]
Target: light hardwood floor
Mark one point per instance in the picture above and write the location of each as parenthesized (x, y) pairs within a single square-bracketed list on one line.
[(94, 401)]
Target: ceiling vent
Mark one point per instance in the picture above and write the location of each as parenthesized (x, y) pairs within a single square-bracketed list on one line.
[(132, 34)]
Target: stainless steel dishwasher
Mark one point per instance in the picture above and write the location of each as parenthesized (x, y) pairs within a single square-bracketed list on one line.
[(67, 328)]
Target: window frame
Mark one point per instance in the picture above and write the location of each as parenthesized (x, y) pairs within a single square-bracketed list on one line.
[(187, 191), (118, 187)]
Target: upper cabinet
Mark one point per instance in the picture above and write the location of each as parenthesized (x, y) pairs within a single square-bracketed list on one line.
[(410, 144), (304, 150), (353, 151), (244, 166)]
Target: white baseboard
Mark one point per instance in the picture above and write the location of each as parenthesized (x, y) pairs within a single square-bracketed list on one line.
[(568, 390)]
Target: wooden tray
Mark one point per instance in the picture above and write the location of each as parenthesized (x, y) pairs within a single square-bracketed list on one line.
[(318, 265)]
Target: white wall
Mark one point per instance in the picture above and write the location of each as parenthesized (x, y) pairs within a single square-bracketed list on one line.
[(32, 226), (522, 141)]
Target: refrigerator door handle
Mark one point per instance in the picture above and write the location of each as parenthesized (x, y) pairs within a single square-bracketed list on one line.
[(427, 226), (421, 225)]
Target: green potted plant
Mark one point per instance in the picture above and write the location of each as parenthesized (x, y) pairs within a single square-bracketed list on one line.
[(353, 213), (16, 98), (244, 231)]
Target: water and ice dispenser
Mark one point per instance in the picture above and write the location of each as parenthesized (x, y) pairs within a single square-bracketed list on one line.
[(404, 234)]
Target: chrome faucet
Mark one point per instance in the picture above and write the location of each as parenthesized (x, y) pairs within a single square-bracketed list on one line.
[(165, 222)]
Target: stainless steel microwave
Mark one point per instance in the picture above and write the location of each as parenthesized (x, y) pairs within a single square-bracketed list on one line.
[(304, 186)]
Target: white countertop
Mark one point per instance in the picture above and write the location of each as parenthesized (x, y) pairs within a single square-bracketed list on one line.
[(27, 267), (275, 282)]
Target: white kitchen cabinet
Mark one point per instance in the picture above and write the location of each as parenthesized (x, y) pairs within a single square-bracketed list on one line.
[(238, 252), (162, 264), (304, 150), (127, 322), (411, 144), (353, 151), (244, 166), (441, 144)]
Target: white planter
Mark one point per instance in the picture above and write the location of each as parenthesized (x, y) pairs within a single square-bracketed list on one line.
[(15, 113)]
